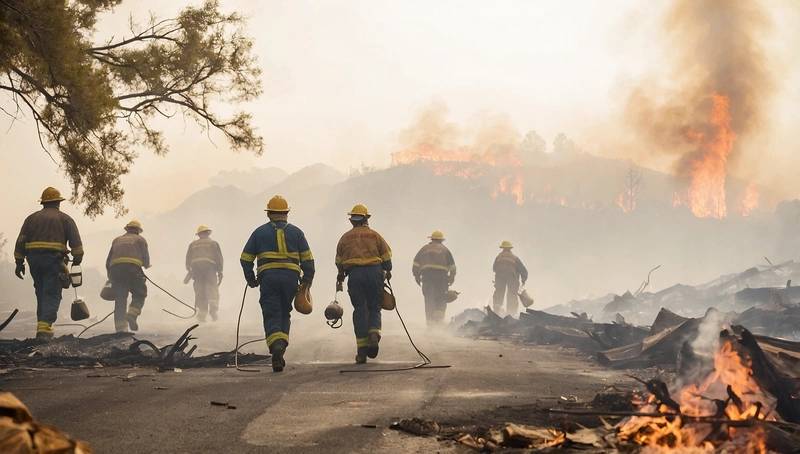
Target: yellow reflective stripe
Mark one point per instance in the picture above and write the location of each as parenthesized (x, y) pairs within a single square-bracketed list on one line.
[(280, 236), (278, 335), (43, 327), (374, 330), (77, 250), (131, 260), (135, 311), (435, 267), (362, 341), (306, 256), (17, 255), (279, 255), (386, 257), (46, 245), (279, 265), (245, 257), (362, 261), (203, 259)]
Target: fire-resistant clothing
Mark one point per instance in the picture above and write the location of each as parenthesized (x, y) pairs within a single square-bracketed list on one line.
[(508, 270), (44, 239), (49, 229), (127, 278), (283, 259), (364, 256), (126, 258), (435, 268), (204, 264)]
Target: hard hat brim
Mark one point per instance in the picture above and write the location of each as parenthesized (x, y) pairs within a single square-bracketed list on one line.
[(57, 199), (203, 231), (277, 211)]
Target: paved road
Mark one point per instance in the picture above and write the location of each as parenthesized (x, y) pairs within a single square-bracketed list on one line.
[(311, 407)]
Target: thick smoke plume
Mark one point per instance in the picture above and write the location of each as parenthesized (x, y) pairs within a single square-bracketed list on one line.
[(718, 91)]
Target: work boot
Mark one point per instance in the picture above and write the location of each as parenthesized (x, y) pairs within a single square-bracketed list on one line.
[(361, 358), (132, 323), (372, 346), (278, 348)]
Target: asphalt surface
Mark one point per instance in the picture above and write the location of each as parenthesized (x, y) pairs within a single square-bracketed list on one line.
[(311, 406)]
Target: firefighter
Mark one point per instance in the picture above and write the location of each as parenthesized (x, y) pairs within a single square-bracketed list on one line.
[(204, 265), (435, 270), (284, 262), (125, 262), (364, 257), (43, 241), (508, 270)]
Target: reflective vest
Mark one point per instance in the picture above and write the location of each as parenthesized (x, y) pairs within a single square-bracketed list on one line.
[(130, 248), (362, 246), (278, 245), (204, 251), (434, 256), (48, 229)]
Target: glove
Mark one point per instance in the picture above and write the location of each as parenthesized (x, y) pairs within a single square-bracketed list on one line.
[(387, 275), (307, 282), (252, 282), (187, 278), (339, 286), (418, 280), (19, 271), (219, 279), (77, 260)]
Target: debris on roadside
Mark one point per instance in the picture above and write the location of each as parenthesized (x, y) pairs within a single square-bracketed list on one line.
[(20, 433), (417, 426), (117, 349)]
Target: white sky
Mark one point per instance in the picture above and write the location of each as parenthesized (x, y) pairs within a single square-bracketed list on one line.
[(341, 78)]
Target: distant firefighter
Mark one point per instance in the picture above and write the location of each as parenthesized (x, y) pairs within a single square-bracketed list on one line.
[(43, 240), (126, 259), (364, 257), (435, 270), (284, 261), (204, 265), (508, 270)]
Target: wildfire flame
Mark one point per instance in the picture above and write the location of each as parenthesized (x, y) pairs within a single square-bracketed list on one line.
[(707, 168), (513, 186), (731, 372), (750, 200)]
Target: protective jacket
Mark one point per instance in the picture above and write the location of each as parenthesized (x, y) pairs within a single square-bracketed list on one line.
[(130, 248), (434, 256), (204, 251), (278, 245), (362, 246), (509, 265), (48, 229)]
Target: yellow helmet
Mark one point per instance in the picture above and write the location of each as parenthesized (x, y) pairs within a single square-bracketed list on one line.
[(134, 224), (203, 228), (359, 210), (437, 235), (506, 245), (278, 204), (51, 194)]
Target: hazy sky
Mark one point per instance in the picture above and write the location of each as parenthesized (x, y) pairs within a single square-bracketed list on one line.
[(342, 78)]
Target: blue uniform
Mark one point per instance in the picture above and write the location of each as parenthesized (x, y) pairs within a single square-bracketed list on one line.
[(282, 256)]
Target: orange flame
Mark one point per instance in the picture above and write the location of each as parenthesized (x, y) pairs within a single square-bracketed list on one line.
[(513, 186), (749, 201), (679, 433), (708, 167)]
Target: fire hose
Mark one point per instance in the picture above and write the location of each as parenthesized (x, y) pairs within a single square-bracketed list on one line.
[(426, 361), (194, 311)]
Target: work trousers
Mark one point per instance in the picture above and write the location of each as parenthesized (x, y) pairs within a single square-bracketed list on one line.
[(434, 288), (127, 278), (278, 288), (46, 269), (365, 287), (508, 286), (206, 291)]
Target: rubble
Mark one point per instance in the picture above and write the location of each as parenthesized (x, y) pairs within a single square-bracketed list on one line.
[(20, 433), (117, 349)]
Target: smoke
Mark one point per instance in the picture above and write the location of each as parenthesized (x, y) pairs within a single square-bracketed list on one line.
[(714, 53)]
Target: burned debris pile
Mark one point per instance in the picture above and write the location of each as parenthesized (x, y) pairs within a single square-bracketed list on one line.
[(117, 349)]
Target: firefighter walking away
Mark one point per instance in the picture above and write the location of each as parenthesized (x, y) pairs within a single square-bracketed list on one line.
[(46, 239), (508, 270), (284, 260), (435, 270), (364, 257), (204, 266), (127, 258)]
